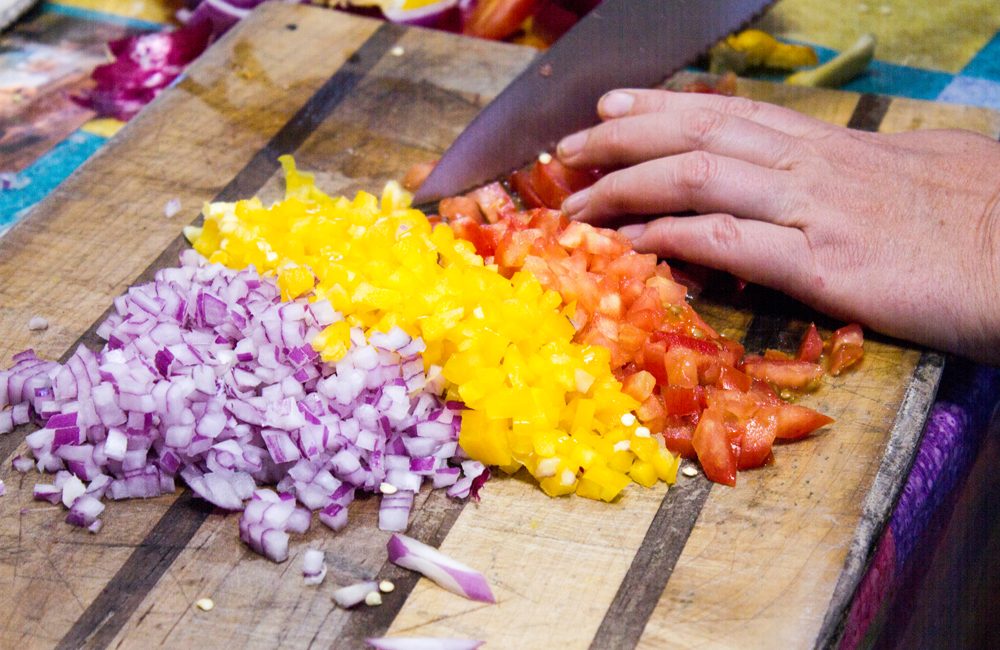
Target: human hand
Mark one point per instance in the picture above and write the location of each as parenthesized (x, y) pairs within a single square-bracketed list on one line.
[(900, 232)]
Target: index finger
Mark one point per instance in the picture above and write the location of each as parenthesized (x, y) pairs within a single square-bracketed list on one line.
[(636, 101)]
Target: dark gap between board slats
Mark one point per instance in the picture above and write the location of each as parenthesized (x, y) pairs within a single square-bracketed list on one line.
[(108, 613)]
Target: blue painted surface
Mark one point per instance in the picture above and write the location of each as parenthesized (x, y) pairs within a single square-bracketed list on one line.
[(986, 63), (45, 174)]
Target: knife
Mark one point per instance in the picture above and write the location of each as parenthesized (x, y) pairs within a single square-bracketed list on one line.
[(619, 44)]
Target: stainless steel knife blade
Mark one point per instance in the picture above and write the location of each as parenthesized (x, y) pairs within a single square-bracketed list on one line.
[(620, 43)]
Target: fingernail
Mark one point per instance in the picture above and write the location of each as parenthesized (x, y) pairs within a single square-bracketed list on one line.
[(633, 231), (615, 104), (576, 202), (571, 145)]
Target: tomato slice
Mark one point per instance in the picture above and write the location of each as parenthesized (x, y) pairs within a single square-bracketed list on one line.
[(846, 348), (498, 19), (718, 451), (811, 347), (795, 421), (783, 373)]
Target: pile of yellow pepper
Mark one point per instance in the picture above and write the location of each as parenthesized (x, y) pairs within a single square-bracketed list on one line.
[(533, 398)]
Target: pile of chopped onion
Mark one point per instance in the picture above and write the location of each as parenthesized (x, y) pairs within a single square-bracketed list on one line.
[(208, 375)]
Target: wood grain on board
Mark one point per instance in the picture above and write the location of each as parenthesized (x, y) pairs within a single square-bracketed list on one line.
[(358, 102)]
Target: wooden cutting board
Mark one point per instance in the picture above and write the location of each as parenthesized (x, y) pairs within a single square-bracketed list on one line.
[(772, 562)]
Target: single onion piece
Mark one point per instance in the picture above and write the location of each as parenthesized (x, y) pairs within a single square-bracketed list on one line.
[(422, 643), (3, 488), (85, 511), (313, 566), (22, 464), (432, 563), (351, 595)]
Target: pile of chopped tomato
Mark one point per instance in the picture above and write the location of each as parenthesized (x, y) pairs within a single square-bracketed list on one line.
[(695, 387)]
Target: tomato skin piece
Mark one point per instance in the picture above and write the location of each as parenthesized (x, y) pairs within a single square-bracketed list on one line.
[(846, 348), (458, 207), (795, 421), (417, 174), (811, 347), (493, 200), (732, 379), (717, 449), (783, 373), (498, 19)]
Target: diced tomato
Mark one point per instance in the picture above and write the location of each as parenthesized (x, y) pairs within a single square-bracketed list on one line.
[(674, 339), (732, 379), (846, 348), (457, 207), (639, 385), (682, 366), (677, 435), (493, 200), (683, 401), (520, 182), (758, 438), (783, 373), (470, 230), (670, 292), (717, 448), (795, 421), (553, 182), (513, 250), (498, 19), (811, 347), (551, 222)]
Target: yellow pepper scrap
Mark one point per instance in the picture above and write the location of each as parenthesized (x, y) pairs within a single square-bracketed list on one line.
[(762, 49), (533, 398)]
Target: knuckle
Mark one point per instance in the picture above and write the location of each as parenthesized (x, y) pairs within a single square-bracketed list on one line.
[(724, 232), (697, 170), (742, 106), (699, 127)]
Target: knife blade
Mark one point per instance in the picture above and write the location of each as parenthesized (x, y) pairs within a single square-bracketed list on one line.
[(620, 43)]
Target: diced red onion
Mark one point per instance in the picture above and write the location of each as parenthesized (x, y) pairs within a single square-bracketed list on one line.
[(22, 464), (432, 563), (209, 376), (3, 488), (422, 643), (351, 595)]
